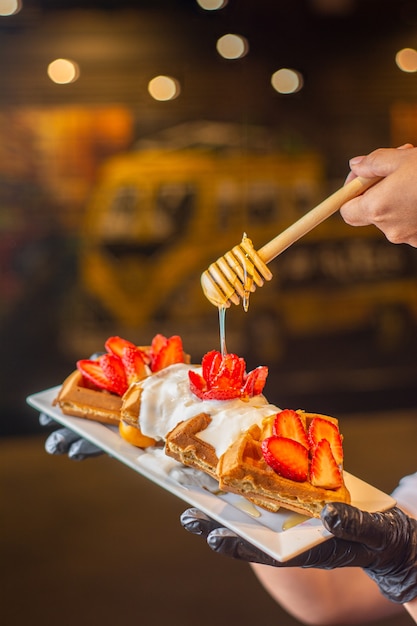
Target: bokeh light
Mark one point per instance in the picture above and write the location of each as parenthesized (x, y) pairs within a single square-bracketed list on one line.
[(63, 71), (212, 5), (164, 88), (286, 81), (9, 7), (232, 46), (406, 59)]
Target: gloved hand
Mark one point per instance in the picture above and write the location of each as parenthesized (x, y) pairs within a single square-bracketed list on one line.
[(383, 544), (66, 441)]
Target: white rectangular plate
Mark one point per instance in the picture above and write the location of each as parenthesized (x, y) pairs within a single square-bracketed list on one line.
[(274, 533)]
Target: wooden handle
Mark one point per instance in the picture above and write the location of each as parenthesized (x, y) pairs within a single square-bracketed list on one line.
[(313, 218)]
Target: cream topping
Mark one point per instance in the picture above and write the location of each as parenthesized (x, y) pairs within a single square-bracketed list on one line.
[(166, 400)]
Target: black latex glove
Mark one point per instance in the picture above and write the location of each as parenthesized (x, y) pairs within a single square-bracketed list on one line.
[(383, 544), (65, 441)]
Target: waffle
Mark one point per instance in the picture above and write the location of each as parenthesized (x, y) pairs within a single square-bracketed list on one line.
[(237, 463), (231, 453), (75, 399), (130, 405), (184, 445), (78, 398), (243, 470)]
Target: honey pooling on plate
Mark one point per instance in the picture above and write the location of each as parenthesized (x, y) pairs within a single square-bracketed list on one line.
[(294, 520)]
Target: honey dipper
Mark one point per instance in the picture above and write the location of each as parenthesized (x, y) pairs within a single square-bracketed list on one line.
[(236, 274)]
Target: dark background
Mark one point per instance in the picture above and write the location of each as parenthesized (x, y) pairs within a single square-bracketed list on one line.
[(345, 51)]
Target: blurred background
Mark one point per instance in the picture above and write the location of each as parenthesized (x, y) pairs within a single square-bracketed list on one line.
[(138, 141)]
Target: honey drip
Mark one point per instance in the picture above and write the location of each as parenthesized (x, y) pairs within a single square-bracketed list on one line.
[(248, 270), (222, 329)]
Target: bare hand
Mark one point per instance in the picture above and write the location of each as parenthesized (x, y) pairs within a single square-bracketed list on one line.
[(391, 204)]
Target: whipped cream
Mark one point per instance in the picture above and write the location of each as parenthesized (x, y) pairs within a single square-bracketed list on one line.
[(166, 400)]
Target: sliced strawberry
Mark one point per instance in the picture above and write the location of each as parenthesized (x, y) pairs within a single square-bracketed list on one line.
[(210, 364), (114, 371), (88, 384), (229, 373), (287, 457), (198, 385), (288, 424), (223, 377), (134, 364), (324, 471), (200, 388), (93, 374), (221, 394), (116, 345), (158, 342), (324, 429), (223, 371), (255, 381), (165, 352)]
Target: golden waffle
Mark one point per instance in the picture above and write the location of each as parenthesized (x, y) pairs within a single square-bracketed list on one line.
[(74, 398), (131, 405), (184, 445), (77, 399), (243, 470)]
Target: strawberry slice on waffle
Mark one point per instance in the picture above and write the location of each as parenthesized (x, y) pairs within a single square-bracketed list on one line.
[(165, 351), (223, 377), (107, 372)]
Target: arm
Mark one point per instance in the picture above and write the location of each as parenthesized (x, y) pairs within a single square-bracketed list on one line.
[(344, 579), (314, 596), (412, 609), (347, 595), (391, 204)]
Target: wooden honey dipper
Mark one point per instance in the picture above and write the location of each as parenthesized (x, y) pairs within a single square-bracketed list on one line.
[(237, 273)]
